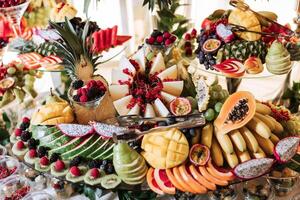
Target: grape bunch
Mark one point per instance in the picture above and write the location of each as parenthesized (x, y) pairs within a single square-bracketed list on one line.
[(208, 59)]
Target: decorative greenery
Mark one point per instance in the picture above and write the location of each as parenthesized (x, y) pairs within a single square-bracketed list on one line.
[(5, 125), (136, 195), (293, 95), (161, 4)]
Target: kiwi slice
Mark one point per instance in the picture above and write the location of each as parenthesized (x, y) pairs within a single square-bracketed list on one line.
[(110, 181)]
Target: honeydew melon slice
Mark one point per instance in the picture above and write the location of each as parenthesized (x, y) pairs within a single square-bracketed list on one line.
[(173, 87), (160, 108), (121, 105), (158, 64), (169, 73), (167, 97), (139, 57), (118, 75), (125, 64), (135, 110), (149, 111), (118, 91)]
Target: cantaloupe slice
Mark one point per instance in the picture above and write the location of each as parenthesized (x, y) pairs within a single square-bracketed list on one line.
[(125, 64), (139, 57), (169, 73), (167, 97), (173, 87), (118, 75), (160, 108), (135, 110), (118, 91), (158, 64), (149, 112), (121, 105)]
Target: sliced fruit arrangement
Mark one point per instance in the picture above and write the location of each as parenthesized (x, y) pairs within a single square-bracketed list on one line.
[(140, 88), (231, 68)]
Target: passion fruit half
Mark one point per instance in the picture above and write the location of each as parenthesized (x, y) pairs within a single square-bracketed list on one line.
[(7, 83), (211, 45), (180, 106), (199, 154)]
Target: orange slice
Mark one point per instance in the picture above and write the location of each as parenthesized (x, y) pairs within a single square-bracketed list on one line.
[(201, 179), (152, 183), (174, 180), (211, 178), (182, 181), (226, 176)]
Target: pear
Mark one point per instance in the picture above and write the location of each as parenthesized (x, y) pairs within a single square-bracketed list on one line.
[(19, 94), (53, 98), (7, 98)]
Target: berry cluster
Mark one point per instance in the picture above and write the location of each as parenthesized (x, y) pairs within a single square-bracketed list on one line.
[(5, 172), (22, 131), (161, 38), (91, 91), (10, 3), (42, 151), (188, 48), (104, 165)]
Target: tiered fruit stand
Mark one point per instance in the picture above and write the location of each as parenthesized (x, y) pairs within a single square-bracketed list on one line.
[(163, 127)]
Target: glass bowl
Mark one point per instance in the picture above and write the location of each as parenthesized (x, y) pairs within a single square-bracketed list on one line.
[(38, 195), (9, 166), (225, 193), (3, 151), (15, 187), (258, 189), (160, 48), (283, 182)]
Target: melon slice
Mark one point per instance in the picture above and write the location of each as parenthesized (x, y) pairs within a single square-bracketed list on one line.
[(125, 64), (118, 75), (158, 64), (149, 111), (135, 110), (121, 105), (160, 108), (173, 87), (167, 97), (169, 73), (139, 57), (118, 91)]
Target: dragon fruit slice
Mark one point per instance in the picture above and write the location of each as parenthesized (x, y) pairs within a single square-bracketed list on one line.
[(75, 130), (224, 33), (286, 148), (107, 130), (253, 168)]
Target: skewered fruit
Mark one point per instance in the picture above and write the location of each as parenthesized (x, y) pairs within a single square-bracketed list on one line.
[(129, 165), (165, 149)]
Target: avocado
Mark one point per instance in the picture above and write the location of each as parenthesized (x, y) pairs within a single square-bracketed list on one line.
[(68, 146), (93, 181), (58, 141), (76, 179), (50, 137), (42, 131), (110, 181)]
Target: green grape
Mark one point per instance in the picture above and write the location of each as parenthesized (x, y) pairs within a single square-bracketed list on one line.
[(214, 95), (209, 114), (217, 88), (218, 107), (11, 70)]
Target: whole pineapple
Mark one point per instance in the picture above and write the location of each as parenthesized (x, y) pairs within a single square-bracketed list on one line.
[(241, 50)]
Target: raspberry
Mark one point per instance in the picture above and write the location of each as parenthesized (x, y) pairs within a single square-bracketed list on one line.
[(44, 161), (95, 173), (167, 35), (83, 98), (159, 39), (168, 42), (173, 38), (79, 92), (59, 165), (194, 33), (84, 91), (150, 40), (188, 51), (20, 145), (32, 153), (26, 120), (18, 132), (91, 83), (75, 171), (187, 36)]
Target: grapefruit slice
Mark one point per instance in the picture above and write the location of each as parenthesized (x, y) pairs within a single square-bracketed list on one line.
[(191, 181), (227, 176), (211, 178), (163, 181), (174, 181), (152, 183), (179, 178), (198, 177)]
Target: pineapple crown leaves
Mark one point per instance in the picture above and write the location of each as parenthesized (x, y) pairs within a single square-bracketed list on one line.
[(161, 4)]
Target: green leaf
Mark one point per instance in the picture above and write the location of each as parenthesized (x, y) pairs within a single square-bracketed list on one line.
[(166, 13)]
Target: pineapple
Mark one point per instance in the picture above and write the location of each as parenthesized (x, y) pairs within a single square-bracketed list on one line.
[(80, 64), (241, 50)]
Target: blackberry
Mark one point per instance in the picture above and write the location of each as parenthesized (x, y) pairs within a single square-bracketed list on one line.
[(93, 164), (109, 169), (77, 84), (25, 136), (32, 143), (104, 162), (76, 97), (42, 151), (24, 126), (156, 33), (92, 92), (54, 157), (76, 161)]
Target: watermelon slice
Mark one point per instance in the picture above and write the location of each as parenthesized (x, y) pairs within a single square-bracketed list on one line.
[(114, 36), (108, 38), (96, 41), (122, 38), (101, 40)]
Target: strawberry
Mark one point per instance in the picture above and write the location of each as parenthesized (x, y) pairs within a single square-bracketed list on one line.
[(20, 145), (18, 132), (95, 173), (166, 35), (44, 161), (26, 120), (83, 98), (32, 153), (159, 39), (151, 40), (187, 36), (59, 165), (75, 171)]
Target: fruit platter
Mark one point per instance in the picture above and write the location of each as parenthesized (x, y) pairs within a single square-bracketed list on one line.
[(153, 126)]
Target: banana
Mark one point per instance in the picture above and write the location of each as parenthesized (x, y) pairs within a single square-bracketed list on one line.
[(263, 109), (258, 126), (266, 144), (270, 15), (225, 142), (266, 120), (274, 139), (249, 138), (242, 156), (216, 153), (231, 159), (238, 140), (259, 154), (278, 127), (206, 135)]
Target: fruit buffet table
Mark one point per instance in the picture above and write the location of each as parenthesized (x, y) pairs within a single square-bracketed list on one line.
[(209, 113)]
